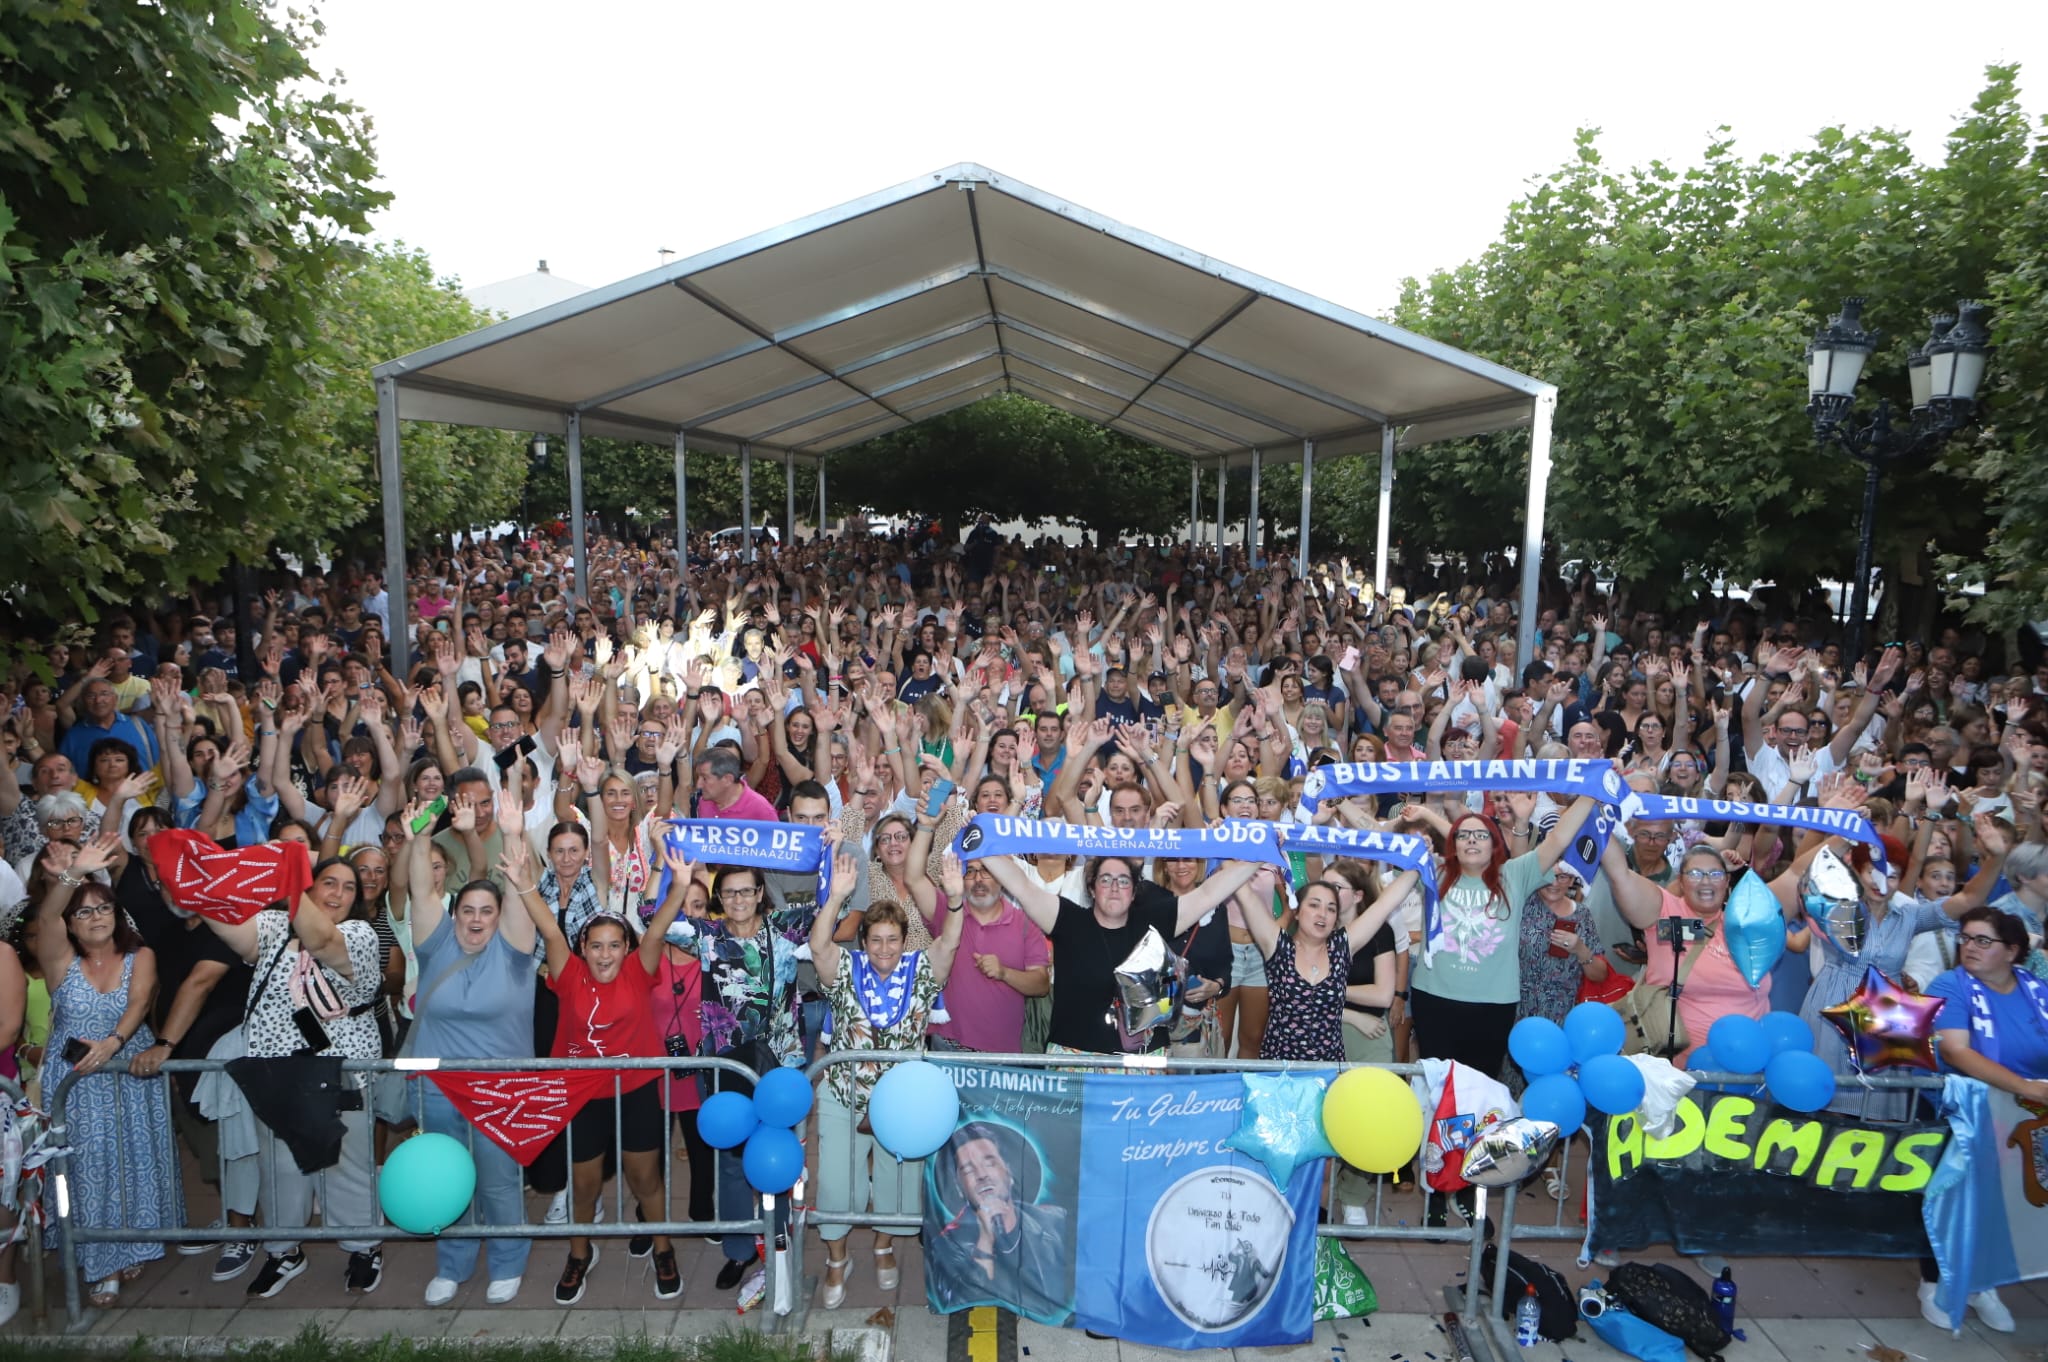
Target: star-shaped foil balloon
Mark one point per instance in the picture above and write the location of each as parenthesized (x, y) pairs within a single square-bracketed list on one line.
[(1282, 1123), (1886, 1026)]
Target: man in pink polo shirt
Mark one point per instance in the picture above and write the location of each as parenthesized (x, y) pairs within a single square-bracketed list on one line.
[(1009, 958), (724, 794)]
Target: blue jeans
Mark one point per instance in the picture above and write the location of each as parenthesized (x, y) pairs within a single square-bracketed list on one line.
[(814, 1014), (499, 1200)]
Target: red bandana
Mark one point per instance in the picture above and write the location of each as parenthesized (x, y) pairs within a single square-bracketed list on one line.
[(205, 878)]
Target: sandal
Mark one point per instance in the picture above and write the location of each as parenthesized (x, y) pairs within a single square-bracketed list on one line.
[(835, 1296), (106, 1292), (887, 1277)]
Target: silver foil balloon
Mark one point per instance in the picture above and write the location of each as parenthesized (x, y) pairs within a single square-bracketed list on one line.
[(1147, 988), (1508, 1151), (1834, 900)]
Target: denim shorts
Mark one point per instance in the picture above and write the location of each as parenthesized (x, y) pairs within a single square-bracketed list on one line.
[(1247, 966)]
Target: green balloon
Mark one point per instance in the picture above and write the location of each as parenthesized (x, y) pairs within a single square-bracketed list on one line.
[(426, 1184)]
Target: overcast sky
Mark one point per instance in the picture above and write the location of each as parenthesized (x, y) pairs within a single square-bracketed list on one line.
[(1334, 147)]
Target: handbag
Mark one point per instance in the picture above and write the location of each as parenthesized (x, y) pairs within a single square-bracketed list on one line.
[(1655, 1026)]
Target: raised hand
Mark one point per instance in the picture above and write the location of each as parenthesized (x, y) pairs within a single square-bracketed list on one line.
[(952, 880), (97, 854), (462, 813)]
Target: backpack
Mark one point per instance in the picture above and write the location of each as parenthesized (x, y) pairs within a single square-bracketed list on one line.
[(1669, 1298), (1559, 1308)]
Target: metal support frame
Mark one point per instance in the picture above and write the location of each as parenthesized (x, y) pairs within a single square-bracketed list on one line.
[(1379, 562), (1532, 526), (788, 498), (1194, 506), (1308, 483), (746, 503), (821, 496), (1251, 517), (579, 532), (1222, 480), (682, 506), (390, 474)]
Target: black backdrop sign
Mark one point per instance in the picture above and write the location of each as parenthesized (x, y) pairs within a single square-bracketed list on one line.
[(1744, 1175)]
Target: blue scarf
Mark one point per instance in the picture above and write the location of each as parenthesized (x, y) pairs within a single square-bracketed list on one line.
[(1983, 1031), (1402, 850), (1571, 776), (1839, 822), (885, 1001), (789, 848), (989, 834)]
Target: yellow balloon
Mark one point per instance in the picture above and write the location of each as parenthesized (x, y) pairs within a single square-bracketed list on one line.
[(1372, 1120)]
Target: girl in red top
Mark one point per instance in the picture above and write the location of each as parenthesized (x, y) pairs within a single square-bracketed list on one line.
[(606, 991)]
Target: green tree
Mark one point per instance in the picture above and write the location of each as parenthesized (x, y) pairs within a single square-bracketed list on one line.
[(176, 191)]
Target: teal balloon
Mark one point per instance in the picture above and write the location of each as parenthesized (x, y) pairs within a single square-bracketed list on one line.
[(914, 1109), (1593, 1029), (726, 1120), (1281, 1124), (782, 1098), (1786, 1031), (1742, 1044), (1611, 1084), (1753, 925), (1539, 1046), (1556, 1099), (1800, 1080), (774, 1160), (426, 1184)]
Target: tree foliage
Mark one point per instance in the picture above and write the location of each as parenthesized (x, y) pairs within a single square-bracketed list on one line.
[(176, 190)]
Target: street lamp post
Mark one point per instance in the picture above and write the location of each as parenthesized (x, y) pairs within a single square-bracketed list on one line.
[(1944, 375)]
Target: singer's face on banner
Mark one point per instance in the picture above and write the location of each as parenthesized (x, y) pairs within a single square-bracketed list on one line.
[(986, 1179)]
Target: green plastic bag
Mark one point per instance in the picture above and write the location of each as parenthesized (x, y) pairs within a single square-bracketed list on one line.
[(1343, 1291)]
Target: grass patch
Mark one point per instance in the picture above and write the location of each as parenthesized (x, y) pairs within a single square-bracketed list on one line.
[(728, 1344)]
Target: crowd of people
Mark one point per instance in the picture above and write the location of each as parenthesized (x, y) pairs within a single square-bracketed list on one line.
[(491, 877)]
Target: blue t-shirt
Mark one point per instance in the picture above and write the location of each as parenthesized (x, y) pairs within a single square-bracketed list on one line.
[(2022, 1035), (482, 1011)]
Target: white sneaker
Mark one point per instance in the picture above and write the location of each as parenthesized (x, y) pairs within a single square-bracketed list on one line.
[(1931, 1312), (558, 1209), (1356, 1215), (503, 1290), (441, 1290), (1991, 1312), (10, 1301)]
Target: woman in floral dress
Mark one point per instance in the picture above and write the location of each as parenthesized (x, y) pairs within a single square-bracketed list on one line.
[(881, 996), (1561, 948), (1307, 969)]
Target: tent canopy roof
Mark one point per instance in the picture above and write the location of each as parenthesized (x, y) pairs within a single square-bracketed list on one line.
[(911, 302)]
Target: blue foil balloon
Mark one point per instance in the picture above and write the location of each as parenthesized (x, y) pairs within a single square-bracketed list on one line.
[(1281, 1123), (1556, 1098), (1611, 1084), (1539, 1046), (1755, 927), (1800, 1080), (1787, 1031), (1594, 1029)]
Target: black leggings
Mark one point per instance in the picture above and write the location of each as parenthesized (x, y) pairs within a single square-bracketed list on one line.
[(703, 1168), (1473, 1034)]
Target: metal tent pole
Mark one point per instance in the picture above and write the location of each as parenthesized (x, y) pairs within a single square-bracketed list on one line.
[(1308, 482), (1532, 526), (746, 503), (821, 496), (391, 475), (1222, 480), (578, 531), (1251, 520), (682, 507), (1194, 505), (788, 498), (1379, 563)]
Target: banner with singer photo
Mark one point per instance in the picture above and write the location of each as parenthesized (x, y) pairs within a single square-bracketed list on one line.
[(1189, 1244)]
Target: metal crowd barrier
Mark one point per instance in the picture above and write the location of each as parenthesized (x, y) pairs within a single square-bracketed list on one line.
[(30, 1258), (72, 1232)]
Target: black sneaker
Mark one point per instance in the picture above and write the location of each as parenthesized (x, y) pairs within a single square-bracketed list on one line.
[(276, 1271), (575, 1276), (640, 1245), (668, 1278), (365, 1271), (729, 1275)]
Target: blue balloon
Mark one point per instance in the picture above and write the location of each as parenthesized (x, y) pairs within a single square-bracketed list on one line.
[(1556, 1099), (1703, 1060), (914, 1109), (1539, 1046), (782, 1098), (1787, 1031), (426, 1183), (1594, 1029), (1800, 1080), (774, 1160), (726, 1120), (1753, 926), (1742, 1043), (1611, 1084)]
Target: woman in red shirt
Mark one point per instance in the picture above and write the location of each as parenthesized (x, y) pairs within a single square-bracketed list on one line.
[(605, 990)]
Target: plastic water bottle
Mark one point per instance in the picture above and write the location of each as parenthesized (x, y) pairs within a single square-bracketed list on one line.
[(1724, 1299), (1528, 1319)]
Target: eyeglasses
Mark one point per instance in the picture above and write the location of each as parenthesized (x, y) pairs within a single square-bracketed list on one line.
[(1791, 732), (67, 821), (1706, 876), (1475, 835), (92, 910), (1979, 939), (738, 894), (1113, 881), (891, 838)]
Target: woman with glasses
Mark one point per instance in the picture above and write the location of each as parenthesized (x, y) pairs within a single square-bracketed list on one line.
[(124, 1170), (898, 873), (1993, 1027)]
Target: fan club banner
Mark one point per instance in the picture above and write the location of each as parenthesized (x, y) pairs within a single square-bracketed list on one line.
[(1189, 1245), (1744, 1175), (1987, 1209), (787, 848)]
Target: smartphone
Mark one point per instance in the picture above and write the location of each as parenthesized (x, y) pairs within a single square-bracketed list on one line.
[(1349, 661), (434, 809), (75, 1050), (941, 792), (524, 747)]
